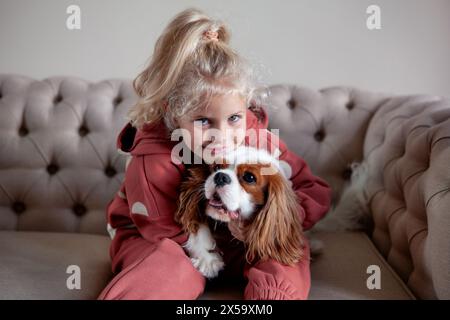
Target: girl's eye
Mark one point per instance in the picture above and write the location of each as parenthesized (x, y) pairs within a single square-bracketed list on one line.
[(249, 177), (202, 121), (234, 118)]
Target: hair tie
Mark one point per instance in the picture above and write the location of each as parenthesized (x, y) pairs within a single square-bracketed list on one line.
[(211, 35)]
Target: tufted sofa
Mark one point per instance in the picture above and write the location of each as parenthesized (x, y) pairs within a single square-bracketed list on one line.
[(59, 168)]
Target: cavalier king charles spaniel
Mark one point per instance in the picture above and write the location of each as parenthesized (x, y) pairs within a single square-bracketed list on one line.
[(247, 184)]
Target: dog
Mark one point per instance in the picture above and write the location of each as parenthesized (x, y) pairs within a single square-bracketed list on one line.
[(246, 184)]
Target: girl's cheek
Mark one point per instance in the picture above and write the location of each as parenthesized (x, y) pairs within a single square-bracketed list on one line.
[(239, 135), (239, 142), (197, 140), (191, 138)]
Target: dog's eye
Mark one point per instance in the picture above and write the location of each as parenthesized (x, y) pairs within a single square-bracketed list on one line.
[(249, 177), (216, 167)]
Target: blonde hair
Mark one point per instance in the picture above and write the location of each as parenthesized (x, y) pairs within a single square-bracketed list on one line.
[(187, 69)]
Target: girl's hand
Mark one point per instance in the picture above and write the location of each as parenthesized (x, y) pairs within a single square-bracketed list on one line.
[(236, 228)]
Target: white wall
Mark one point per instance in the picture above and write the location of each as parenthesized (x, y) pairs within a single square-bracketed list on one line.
[(312, 43)]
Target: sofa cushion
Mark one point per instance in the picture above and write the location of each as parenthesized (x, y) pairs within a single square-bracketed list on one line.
[(339, 272), (33, 265)]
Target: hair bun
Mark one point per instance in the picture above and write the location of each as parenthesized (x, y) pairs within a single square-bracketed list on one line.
[(211, 35)]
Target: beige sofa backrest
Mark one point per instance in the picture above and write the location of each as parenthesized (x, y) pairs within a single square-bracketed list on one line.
[(59, 166), (405, 141)]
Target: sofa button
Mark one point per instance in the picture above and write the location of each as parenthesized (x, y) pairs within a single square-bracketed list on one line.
[(79, 209), (23, 131), (110, 171), (319, 135), (57, 99), (350, 105), (18, 207), (83, 130), (52, 168), (117, 100), (291, 103)]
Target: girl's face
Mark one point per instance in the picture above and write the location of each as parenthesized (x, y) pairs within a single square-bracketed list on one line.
[(215, 129)]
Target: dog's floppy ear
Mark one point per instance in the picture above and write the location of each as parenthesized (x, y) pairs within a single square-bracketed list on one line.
[(276, 230), (191, 202)]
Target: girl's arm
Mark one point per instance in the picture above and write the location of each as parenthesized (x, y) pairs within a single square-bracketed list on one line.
[(152, 183)]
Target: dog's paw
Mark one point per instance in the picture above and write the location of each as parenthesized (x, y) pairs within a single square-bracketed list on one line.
[(209, 264)]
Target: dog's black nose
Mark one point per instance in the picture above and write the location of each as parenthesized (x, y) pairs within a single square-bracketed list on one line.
[(221, 179)]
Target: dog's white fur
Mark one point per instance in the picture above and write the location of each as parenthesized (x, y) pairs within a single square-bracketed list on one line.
[(232, 195), (199, 246)]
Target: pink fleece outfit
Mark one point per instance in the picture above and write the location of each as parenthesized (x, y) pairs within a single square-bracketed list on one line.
[(146, 250)]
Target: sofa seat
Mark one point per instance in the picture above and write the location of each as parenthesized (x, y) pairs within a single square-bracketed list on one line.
[(33, 264), (339, 272)]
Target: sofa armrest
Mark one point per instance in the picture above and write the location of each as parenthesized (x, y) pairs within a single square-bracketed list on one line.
[(407, 148)]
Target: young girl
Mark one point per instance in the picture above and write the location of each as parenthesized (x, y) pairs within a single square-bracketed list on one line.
[(197, 83)]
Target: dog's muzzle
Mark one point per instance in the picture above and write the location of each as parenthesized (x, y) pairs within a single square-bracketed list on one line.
[(221, 179)]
